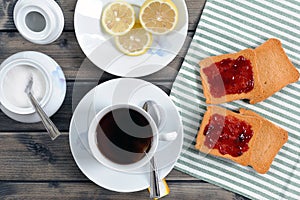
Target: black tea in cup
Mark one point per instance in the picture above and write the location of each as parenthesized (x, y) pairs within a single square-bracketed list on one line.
[(124, 135)]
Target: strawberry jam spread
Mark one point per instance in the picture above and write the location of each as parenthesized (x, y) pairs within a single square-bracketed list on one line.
[(227, 134), (230, 76)]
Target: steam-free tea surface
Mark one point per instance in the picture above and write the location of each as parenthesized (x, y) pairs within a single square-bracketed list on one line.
[(124, 135)]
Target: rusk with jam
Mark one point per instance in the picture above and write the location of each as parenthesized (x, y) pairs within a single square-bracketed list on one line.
[(243, 159), (252, 95), (264, 145)]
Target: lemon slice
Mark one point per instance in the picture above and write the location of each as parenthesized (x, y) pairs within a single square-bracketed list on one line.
[(136, 42), (118, 18), (158, 16)]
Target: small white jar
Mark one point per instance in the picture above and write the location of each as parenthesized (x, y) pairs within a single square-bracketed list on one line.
[(13, 83), (39, 21)]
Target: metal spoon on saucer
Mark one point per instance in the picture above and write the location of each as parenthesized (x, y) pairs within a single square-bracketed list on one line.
[(49, 125), (154, 180), (154, 177)]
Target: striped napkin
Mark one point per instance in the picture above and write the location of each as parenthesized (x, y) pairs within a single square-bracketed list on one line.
[(228, 26)]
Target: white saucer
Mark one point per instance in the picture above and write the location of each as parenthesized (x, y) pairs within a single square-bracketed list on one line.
[(58, 85), (100, 48), (123, 90)]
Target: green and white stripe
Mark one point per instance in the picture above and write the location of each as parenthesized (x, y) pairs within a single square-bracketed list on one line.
[(228, 26)]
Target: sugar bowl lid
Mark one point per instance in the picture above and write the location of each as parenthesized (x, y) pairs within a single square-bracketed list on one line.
[(39, 21)]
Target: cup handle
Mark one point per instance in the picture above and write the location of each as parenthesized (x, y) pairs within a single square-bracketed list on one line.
[(168, 136), (158, 114)]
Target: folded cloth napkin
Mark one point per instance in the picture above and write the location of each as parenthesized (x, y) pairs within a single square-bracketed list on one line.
[(228, 26)]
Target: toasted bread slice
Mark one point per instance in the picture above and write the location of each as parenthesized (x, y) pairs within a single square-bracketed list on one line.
[(249, 54), (274, 67), (270, 138), (255, 123)]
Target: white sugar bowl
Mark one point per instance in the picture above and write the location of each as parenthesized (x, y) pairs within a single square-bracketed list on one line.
[(39, 21), (14, 77)]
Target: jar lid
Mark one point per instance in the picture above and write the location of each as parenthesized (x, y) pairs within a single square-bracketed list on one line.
[(39, 21)]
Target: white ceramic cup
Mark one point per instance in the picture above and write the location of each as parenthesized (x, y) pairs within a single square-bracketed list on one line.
[(3, 96), (156, 136)]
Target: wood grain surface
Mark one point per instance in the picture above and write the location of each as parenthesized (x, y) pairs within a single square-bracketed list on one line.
[(68, 8), (75, 64), (34, 167), (88, 191)]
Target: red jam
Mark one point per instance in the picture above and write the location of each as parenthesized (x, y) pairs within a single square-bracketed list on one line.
[(230, 76), (227, 134)]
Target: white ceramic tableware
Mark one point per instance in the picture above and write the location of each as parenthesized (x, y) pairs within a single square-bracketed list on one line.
[(7, 72), (120, 91), (39, 21), (100, 47), (93, 144), (57, 81), (156, 136)]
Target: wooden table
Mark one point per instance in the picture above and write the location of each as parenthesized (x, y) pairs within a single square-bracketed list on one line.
[(34, 167)]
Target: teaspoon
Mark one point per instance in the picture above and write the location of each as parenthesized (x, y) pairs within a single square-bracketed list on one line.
[(49, 125)]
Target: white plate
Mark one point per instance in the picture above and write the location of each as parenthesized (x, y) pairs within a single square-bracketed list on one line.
[(99, 46), (123, 90), (58, 85)]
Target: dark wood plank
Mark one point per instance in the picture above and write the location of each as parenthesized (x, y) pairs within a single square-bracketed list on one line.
[(68, 6), (63, 116), (195, 8), (65, 50), (74, 63), (7, 7), (34, 157), (88, 191)]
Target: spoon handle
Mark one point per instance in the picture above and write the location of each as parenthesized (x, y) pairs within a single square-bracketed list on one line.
[(49, 125), (154, 180)]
